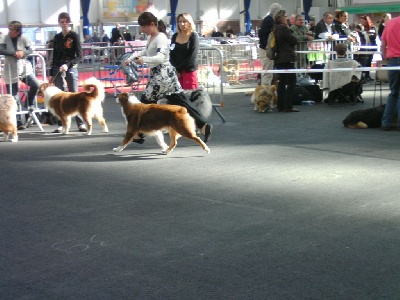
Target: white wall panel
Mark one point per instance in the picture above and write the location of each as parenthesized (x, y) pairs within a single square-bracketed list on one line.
[(49, 10), (19, 10)]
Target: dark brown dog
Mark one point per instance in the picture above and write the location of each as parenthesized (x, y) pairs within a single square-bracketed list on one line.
[(151, 118)]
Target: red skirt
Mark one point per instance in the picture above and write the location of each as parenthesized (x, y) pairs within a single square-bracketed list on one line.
[(188, 80)]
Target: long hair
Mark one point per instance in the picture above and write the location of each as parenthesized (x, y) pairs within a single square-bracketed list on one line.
[(147, 18), (369, 22), (17, 26), (187, 17), (339, 14)]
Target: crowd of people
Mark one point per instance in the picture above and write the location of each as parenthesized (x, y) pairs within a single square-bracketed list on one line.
[(173, 62), (332, 27)]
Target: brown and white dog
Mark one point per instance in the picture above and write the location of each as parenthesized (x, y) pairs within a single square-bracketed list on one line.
[(151, 118), (8, 117), (264, 98), (66, 104)]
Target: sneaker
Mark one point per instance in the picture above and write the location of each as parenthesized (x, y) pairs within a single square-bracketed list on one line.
[(82, 128), (21, 127)]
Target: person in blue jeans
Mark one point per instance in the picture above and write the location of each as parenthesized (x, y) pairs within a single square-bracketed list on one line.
[(390, 48), (67, 53)]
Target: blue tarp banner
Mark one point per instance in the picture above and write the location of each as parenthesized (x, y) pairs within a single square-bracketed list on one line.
[(85, 4)]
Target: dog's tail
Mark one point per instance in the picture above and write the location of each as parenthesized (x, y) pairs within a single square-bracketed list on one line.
[(98, 91)]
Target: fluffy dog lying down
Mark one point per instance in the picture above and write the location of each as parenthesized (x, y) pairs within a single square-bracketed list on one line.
[(365, 118), (199, 98), (151, 118), (66, 105), (8, 117)]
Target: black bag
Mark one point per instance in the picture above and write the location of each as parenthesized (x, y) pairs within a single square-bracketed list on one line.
[(301, 94), (131, 71)]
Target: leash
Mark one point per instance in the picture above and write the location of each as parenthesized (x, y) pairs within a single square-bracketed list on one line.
[(63, 75)]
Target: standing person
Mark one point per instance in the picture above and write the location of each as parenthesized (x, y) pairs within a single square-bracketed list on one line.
[(95, 37), (127, 35), (183, 52), (64, 67), (382, 23), (265, 29), (116, 35), (303, 35), (292, 19), (324, 29), (285, 59), (15, 47), (341, 26), (163, 82), (311, 25), (370, 30), (390, 48), (104, 37)]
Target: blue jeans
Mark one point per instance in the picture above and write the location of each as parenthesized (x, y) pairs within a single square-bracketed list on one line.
[(392, 104), (71, 78)]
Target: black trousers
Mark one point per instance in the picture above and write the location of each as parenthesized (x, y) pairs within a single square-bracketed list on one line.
[(181, 100)]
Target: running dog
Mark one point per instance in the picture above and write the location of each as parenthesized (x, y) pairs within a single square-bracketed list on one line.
[(66, 105), (8, 117), (150, 119)]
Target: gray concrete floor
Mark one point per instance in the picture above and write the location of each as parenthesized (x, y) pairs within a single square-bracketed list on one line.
[(286, 206)]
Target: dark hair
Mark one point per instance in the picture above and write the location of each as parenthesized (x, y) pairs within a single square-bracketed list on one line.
[(341, 48), (64, 15), (147, 18), (339, 14), (369, 22), (17, 26)]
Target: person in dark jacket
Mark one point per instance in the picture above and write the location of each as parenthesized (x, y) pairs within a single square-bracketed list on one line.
[(265, 29), (67, 54), (285, 58), (324, 29), (183, 52), (116, 35)]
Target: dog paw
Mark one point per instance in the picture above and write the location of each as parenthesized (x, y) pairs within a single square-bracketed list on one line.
[(14, 140), (207, 150), (118, 149)]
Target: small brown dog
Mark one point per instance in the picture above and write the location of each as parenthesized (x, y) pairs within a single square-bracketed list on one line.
[(264, 97), (66, 105), (151, 118), (8, 117)]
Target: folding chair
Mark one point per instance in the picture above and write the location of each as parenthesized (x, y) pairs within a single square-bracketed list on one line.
[(381, 77), (345, 85)]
